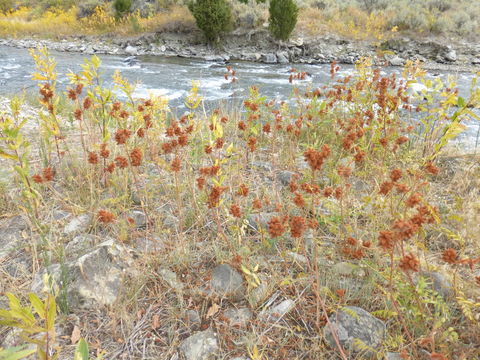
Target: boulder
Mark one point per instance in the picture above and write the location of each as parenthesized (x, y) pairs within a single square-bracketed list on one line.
[(227, 282), (78, 224), (356, 329), (238, 317), (269, 58)]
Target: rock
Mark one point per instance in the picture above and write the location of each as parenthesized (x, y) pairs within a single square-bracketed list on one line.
[(216, 58), (11, 235), (260, 293), (131, 50), (440, 283), (285, 177), (79, 246), (259, 221), (193, 319), (282, 57), (396, 61), (353, 324), (269, 58), (347, 269), (227, 282), (238, 317), (451, 56), (393, 356), (171, 279), (139, 218), (94, 278), (262, 165), (278, 311), (78, 224), (476, 61), (201, 346)]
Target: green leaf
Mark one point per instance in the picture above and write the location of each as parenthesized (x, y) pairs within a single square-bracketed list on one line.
[(37, 305), (16, 353), (461, 102), (81, 352)]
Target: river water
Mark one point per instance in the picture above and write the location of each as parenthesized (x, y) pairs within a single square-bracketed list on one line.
[(171, 77)]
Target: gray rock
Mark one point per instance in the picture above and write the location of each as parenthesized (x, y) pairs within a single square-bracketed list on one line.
[(260, 221), (354, 325), (278, 311), (227, 282), (393, 356), (238, 317), (451, 55), (396, 61), (11, 235), (193, 319), (94, 278), (347, 269), (131, 50), (282, 57), (79, 246), (171, 279), (269, 58), (78, 224), (285, 177), (476, 61), (262, 165), (261, 292), (139, 218), (440, 283), (201, 346)]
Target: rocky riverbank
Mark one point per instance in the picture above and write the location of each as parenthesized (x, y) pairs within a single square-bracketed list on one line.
[(257, 46)]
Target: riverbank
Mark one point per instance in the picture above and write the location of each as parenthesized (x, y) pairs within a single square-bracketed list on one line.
[(258, 46)]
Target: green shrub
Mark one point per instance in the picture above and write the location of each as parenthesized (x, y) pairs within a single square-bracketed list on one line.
[(213, 17), (122, 7), (283, 17)]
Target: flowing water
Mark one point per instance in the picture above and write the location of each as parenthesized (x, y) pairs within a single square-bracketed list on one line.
[(171, 77)]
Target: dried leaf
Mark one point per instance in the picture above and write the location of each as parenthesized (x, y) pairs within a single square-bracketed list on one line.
[(155, 321), (213, 310), (75, 335)]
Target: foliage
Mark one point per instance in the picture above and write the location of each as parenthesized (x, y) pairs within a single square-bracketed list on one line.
[(6, 5), (122, 7), (213, 17), (283, 17)]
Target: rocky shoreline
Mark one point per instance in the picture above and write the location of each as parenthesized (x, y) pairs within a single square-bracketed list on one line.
[(258, 46)]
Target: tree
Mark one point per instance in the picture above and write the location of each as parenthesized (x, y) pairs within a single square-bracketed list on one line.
[(122, 7), (213, 17), (283, 17)]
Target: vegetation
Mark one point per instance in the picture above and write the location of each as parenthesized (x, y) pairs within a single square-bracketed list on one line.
[(283, 17), (122, 7), (285, 192), (213, 17)]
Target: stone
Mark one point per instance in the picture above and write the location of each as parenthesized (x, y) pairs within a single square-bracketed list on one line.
[(238, 317), (200, 346), (440, 283), (353, 325), (476, 61), (131, 50), (396, 61), (393, 356), (278, 311), (282, 57), (93, 279), (261, 292), (139, 218), (259, 221), (78, 224), (451, 56), (285, 177), (227, 282), (269, 58), (193, 319), (11, 235), (79, 246), (347, 269), (171, 279)]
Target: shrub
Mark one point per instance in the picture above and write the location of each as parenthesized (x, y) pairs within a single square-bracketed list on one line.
[(122, 7), (6, 5), (212, 17), (283, 17)]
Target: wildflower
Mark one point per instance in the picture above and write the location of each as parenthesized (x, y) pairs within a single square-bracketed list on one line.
[(37, 178), (384, 142), (121, 162), (71, 94), (78, 89), (210, 171), (116, 106), (242, 126), (266, 128), (214, 196), (338, 193), (328, 191), (224, 119), (293, 186), (404, 229), (257, 204), (252, 143), (235, 211), (141, 133), (395, 175), (77, 114), (401, 140), (124, 114), (48, 174), (110, 168), (413, 200), (409, 263), (344, 171), (386, 187), (430, 168), (208, 149), (386, 239), (183, 140), (87, 103), (297, 226), (298, 200), (243, 190), (312, 224), (359, 156), (450, 256), (401, 188), (136, 157), (104, 152), (219, 143), (201, 183), (315, 158), (176, 164), (351, 241), (275, 227), (92, 157), (122, 135), (105, 216)]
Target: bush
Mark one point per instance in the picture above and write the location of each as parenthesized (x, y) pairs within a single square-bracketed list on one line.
[(212, 17), (6, 5), (122, 7), (283, 17)]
